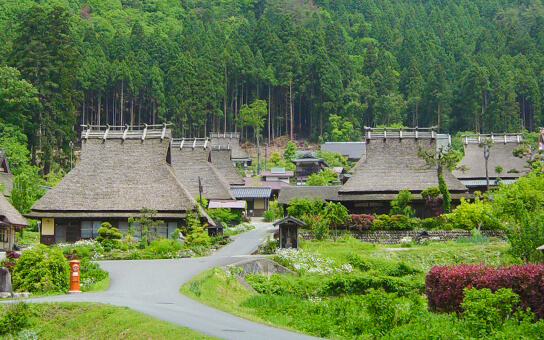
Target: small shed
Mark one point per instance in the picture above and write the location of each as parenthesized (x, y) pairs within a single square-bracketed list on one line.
[(289, 231)]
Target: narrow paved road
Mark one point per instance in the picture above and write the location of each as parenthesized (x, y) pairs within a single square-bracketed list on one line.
[(152, 287)]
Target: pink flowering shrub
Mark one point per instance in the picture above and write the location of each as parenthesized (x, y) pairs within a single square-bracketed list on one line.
[(444, 285)]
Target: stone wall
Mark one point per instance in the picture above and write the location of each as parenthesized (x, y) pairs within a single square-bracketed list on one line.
[(394, 237), (261, 266)]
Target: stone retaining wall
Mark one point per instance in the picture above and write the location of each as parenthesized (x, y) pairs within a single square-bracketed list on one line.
[(394, 237), (261, 266)]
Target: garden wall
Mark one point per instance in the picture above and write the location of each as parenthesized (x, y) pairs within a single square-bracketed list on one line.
[(394, 237)]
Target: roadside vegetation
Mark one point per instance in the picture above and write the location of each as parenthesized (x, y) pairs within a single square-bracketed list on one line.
[(85, 321)]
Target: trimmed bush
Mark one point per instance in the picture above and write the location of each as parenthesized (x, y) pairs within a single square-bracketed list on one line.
[(361, 222), (41, 269), (444, 285)]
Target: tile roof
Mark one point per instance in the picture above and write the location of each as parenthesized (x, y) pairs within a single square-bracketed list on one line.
[(251, 192), (353, 150)]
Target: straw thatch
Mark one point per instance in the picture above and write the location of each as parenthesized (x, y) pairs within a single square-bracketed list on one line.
[(10, 215), (5, 173), (192, 163), (229, 140), (392, 165), (118, 177), (501, 154), (222, 161)]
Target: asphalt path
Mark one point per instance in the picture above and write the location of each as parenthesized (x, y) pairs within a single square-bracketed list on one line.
[(152, 287)]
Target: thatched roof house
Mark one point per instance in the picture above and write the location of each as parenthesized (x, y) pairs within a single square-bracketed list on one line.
[(392, 164), (221, 159), (230, 141), (10, 221), (472, 173), (190, 160), (121, 171), (5, 173)]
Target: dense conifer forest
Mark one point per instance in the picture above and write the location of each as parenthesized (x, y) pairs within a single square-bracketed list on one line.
[(325, 68)]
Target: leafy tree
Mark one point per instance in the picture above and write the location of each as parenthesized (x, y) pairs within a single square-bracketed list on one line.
[(400, 205), (336, 214), (322, 178), (290, 152)]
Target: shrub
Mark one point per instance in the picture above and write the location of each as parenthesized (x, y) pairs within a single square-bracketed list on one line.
[(359, 262), (15, 318), (485, 311), (526, 236), (400, 205), (304, 208), (225, 215), (108, 236), (90, 273), (41, 269), (475, 215), (361, 222), (444, 285), (164, 247), (269, 216)]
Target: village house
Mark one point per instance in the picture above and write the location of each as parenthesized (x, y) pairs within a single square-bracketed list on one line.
[(190, 160), (10, 222), (121, 171), (277, 175), (257, 198), (352, 150), (306, 165), (5, 174), (231, 141), (391, 164), (501, 163), (276, 186)]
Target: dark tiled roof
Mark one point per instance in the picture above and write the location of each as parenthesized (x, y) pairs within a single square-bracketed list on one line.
[(308, 157), (353, 150), (251, 192), (290, 219)]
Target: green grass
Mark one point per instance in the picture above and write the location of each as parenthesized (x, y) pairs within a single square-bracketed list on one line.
[(99, 286), (213, 288), (29, 237), (421, 257), (99, 321)]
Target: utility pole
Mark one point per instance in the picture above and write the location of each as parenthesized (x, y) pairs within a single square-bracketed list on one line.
[(71, 144)]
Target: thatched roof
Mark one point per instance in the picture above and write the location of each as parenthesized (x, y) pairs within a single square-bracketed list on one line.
[(223, 163), (331, 193), (10, 215), (190, 164), (501, 154), (5, 174), (392, 164), (118, 177), (229, 141)]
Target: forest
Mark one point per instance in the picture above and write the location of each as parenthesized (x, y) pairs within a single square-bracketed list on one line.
[(324, 68)]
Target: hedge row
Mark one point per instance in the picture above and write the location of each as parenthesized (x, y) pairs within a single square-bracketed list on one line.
[(444, 285)]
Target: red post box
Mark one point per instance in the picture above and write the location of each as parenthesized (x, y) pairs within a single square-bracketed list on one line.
[(74, 277)]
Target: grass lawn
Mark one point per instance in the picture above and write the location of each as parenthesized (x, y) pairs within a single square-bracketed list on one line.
[(99, 321)]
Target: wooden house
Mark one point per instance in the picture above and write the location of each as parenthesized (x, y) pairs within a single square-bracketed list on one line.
[(10, 222), (122, 170), (191, 162), (392, 164), (277, 175), (257, 198), (5, 174), (472, 166), (306, 165)]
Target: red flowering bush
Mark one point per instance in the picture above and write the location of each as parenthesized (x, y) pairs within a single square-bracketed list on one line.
[(361, 222), (444, 285)]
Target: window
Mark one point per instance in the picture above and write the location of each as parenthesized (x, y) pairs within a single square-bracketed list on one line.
[(172, 226), (96, 225), (86, 229), (3, 235), (123, 227)]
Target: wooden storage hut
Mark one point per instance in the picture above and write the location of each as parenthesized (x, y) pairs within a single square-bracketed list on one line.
[(122, 170), (10, 222), (190, 160), (5, 174), (231, 141), (306, 165), (288, 230), (472, 173), (391, 165)]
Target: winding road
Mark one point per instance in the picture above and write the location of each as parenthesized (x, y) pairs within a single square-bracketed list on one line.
[(152, 287)]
